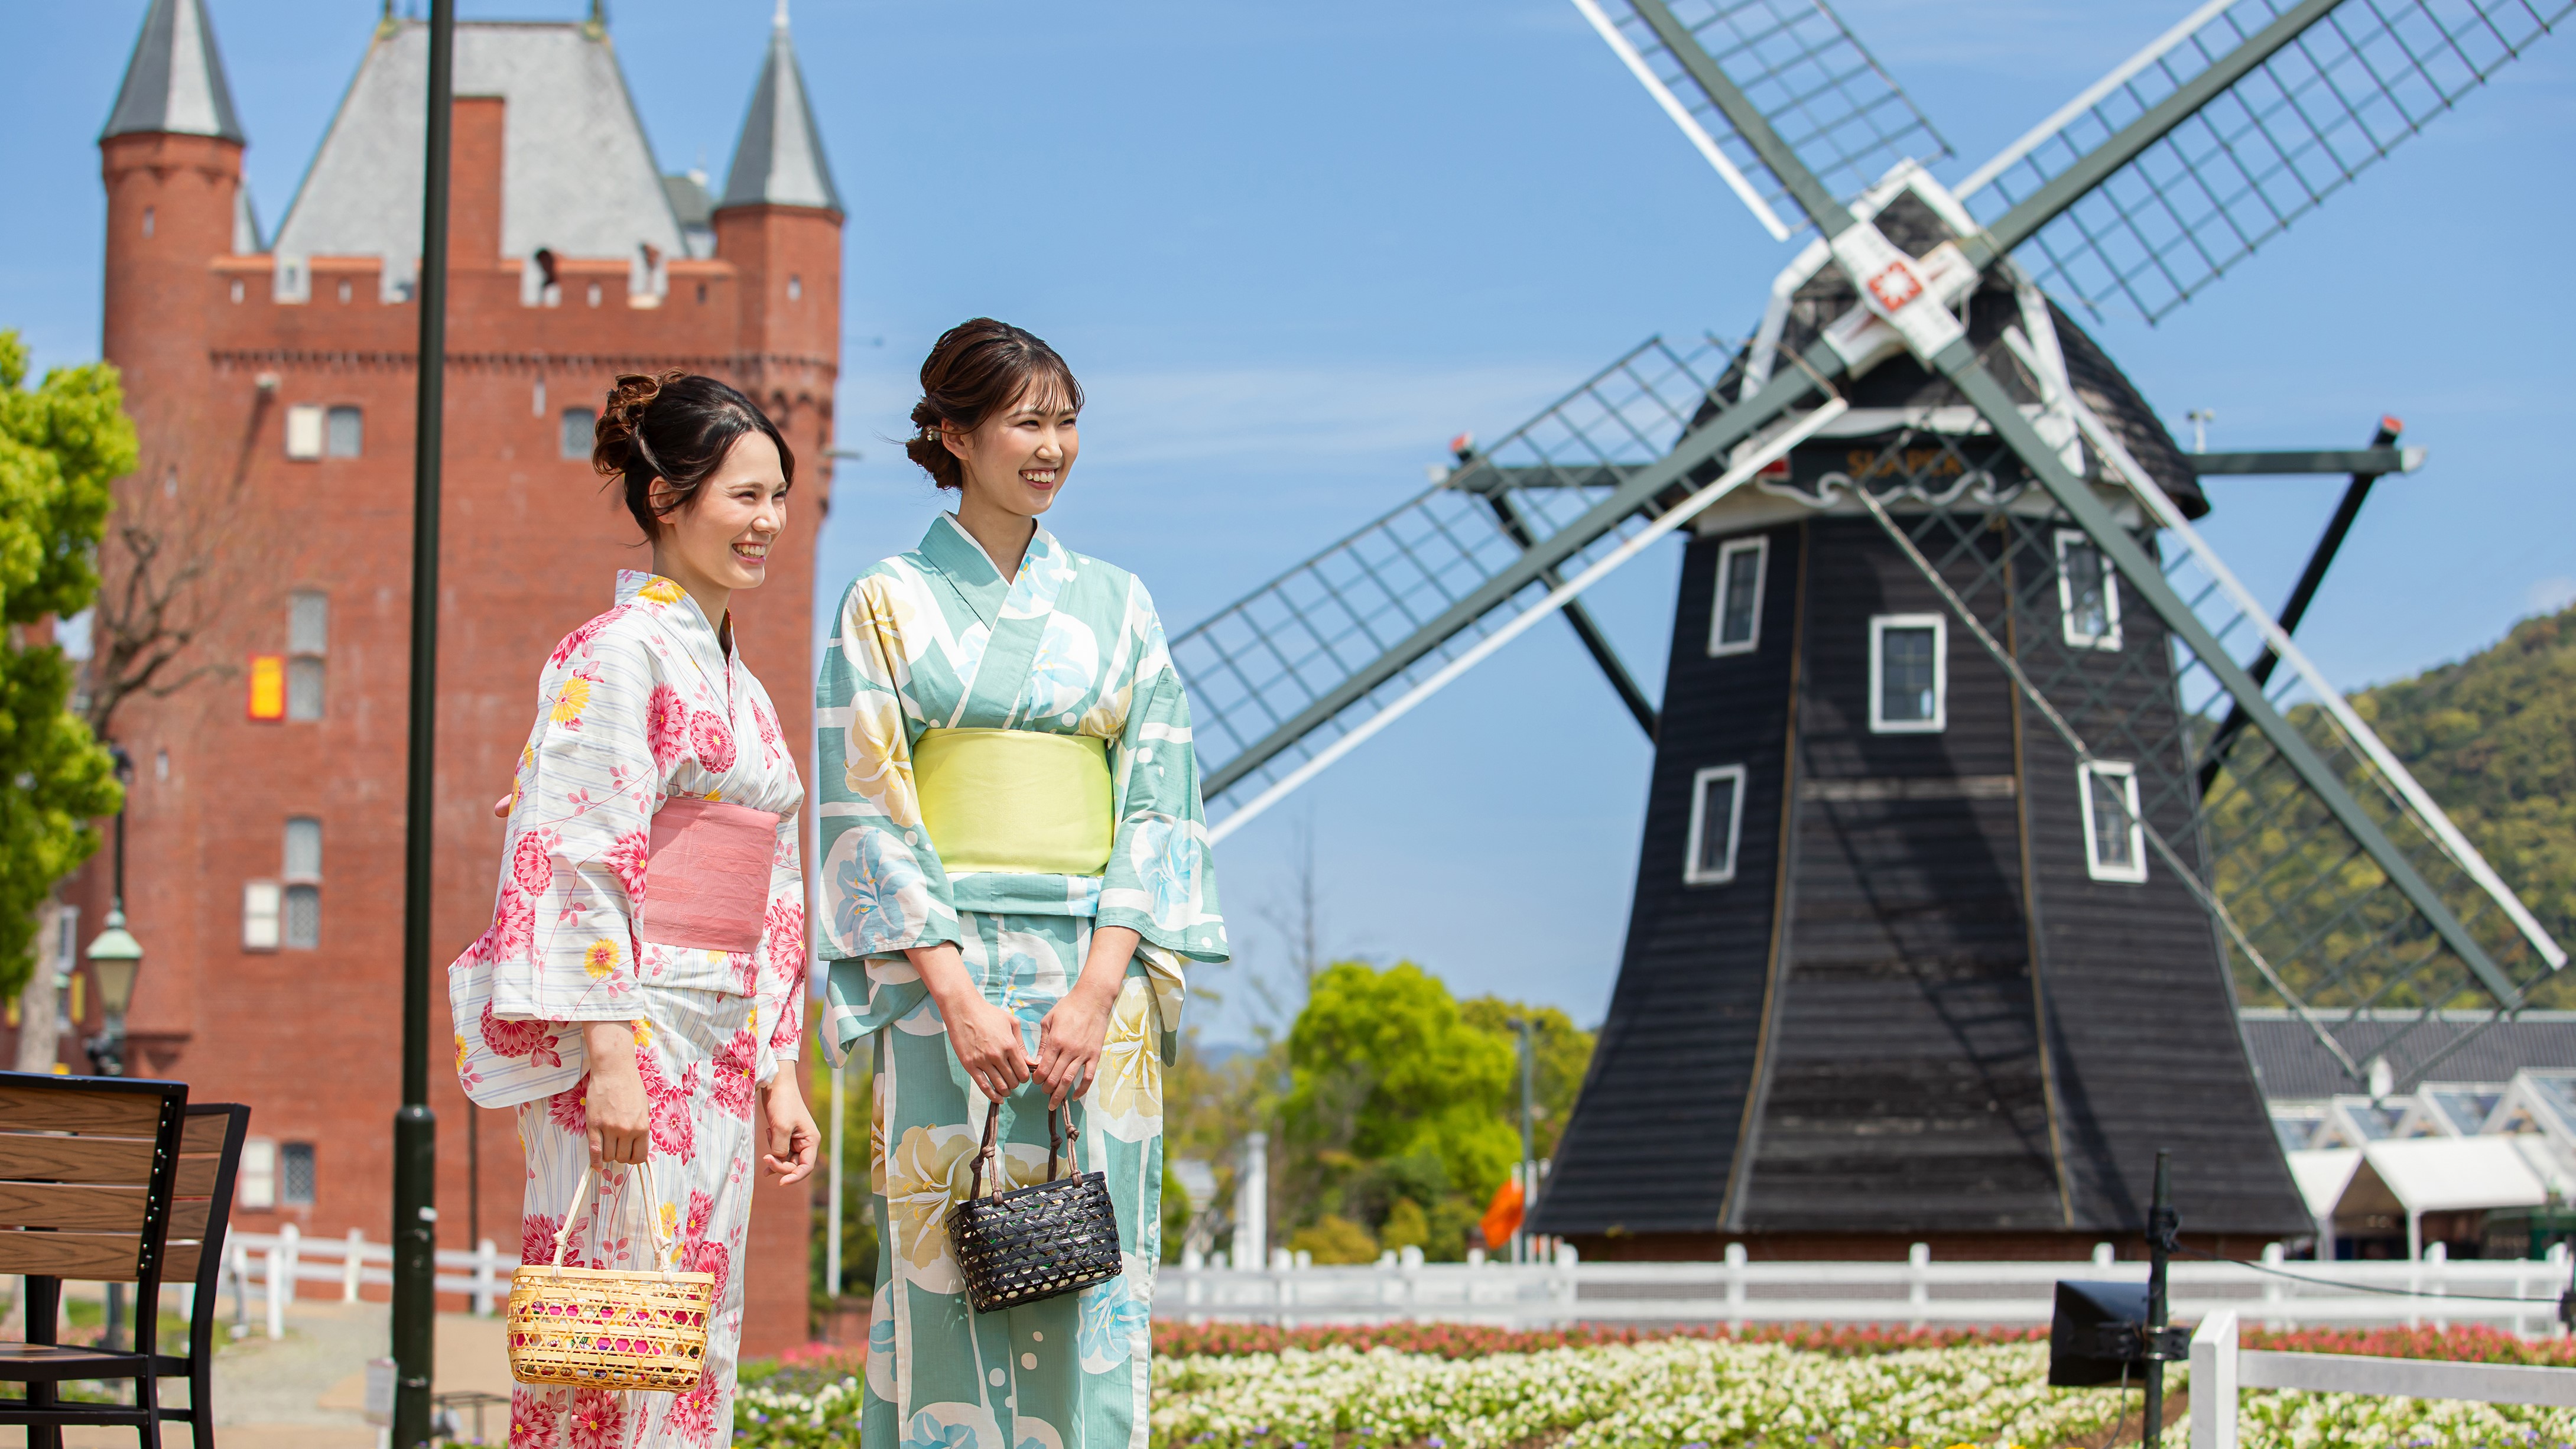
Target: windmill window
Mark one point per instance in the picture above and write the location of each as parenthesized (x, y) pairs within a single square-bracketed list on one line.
[(1909, 674), (2088, 593), (1716, 825), (2115, 842), (347, 435), (1735, 623), (580, 430)]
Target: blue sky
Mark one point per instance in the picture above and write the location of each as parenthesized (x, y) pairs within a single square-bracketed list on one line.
[(1291, 249)]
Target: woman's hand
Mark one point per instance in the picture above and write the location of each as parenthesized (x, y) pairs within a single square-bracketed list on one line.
[(618, 1121), (1071, 1036), (793, 1138), (985, 1038)]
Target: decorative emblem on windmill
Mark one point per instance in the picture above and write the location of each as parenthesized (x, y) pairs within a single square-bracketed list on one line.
[(1981, 791)]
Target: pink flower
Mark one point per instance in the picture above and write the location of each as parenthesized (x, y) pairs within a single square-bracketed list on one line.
[(791, 1019), (536, 1418), (533, 1039), (569, 1109), (667, 1104), (770, 744), (736, 1071), (514, 925), (536, 1245), (784, 934), (627, 858), (704, 1256), (666, 722), (532, 862), (598, 1419), (745, 966), (578, 641), (701, 1214), (693, 1414), (713, 742)]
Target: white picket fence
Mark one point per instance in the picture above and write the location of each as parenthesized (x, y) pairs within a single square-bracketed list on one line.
[(1917, 1292), (2220, 1370), (272, 1267)]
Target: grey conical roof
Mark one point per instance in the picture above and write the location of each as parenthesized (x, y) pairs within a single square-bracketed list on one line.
[(779, 160), (175, 82)]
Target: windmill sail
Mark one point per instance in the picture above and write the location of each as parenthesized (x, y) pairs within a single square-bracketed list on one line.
[(1280, 674), (1800, 67), (2307, 95)]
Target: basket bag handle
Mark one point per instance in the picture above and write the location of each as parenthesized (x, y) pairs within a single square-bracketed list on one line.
[(661, 1239), (1059, 1148)]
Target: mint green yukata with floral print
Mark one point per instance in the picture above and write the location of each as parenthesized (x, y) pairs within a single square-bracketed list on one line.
[(937, 639)]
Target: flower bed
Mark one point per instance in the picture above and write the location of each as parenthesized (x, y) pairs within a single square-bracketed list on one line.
[(1452, 1386)]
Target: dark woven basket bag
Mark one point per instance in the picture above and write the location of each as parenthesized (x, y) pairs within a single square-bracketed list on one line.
[(1033, 1243)]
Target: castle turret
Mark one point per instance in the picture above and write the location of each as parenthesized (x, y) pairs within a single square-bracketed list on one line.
[(171, 156), (779, 223)]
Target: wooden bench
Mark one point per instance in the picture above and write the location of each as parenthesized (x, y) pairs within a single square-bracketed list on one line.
[(111, 1180)]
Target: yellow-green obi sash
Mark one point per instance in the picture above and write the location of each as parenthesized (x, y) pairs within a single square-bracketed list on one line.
[(1015, 800)]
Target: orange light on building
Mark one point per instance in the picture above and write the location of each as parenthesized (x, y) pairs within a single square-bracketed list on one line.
[(268, 686)]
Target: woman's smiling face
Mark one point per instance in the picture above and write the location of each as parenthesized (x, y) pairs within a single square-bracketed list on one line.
[(722, 536), (1016, 461)]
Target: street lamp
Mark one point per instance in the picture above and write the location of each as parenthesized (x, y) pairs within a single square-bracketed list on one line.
[(114, 958)]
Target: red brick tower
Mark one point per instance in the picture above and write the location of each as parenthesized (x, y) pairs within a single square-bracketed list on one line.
[(265, 820)]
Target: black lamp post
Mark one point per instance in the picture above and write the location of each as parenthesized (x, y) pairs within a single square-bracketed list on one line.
[(114, 958)]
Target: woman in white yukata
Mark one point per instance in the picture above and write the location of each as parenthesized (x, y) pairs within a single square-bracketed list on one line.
[(640, 994), (1015, 873)]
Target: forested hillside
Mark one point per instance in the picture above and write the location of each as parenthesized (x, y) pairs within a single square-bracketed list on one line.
[(2493, 738)]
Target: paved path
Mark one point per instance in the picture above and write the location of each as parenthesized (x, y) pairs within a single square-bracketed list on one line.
[(308, 1389)]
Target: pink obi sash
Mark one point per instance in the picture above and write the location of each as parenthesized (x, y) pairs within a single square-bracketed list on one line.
[(706, 882)]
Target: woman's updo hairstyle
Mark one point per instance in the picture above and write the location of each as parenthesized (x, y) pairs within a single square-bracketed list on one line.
[(676, 427), (979, 368)]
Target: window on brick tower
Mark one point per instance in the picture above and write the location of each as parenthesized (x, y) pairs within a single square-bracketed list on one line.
[(580, 429), (345, 435), (303, 877), (295, 1174), (795, 288), (308, 626)]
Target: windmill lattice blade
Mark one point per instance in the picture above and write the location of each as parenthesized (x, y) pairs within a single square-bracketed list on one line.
[(1809, 76), (2259, 154), (1281, 673)]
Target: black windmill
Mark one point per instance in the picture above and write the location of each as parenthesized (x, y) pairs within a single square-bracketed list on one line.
[(1983, 793)]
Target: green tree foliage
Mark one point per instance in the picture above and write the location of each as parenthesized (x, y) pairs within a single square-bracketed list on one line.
[(1563, 1053), (1333, 1238), (2493, 739), (1384, 1067), (1402, 1112), (60, 446)]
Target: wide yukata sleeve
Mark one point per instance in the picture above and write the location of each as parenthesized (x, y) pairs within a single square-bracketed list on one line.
[(1161, 878), (562, 945), (884, 891)]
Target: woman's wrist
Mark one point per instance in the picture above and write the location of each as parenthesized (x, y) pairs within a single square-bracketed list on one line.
[(609, 1044)]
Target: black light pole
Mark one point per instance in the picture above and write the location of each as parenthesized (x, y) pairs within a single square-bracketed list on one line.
[(2161, 1225), (415, 1227)]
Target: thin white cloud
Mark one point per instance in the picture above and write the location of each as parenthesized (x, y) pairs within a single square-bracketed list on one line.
[(2551, 594)]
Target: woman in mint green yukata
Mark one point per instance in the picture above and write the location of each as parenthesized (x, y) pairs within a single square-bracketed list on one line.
[(1015, 876)]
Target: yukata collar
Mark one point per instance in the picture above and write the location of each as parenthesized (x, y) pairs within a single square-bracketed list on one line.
[(675, 611), (970, 571)]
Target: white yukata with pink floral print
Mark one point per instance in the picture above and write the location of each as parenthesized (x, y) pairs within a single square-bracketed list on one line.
[(640, 705)]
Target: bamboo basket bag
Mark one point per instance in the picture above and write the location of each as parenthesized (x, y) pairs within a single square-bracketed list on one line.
[(1033, 1243), (610, 1328)]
